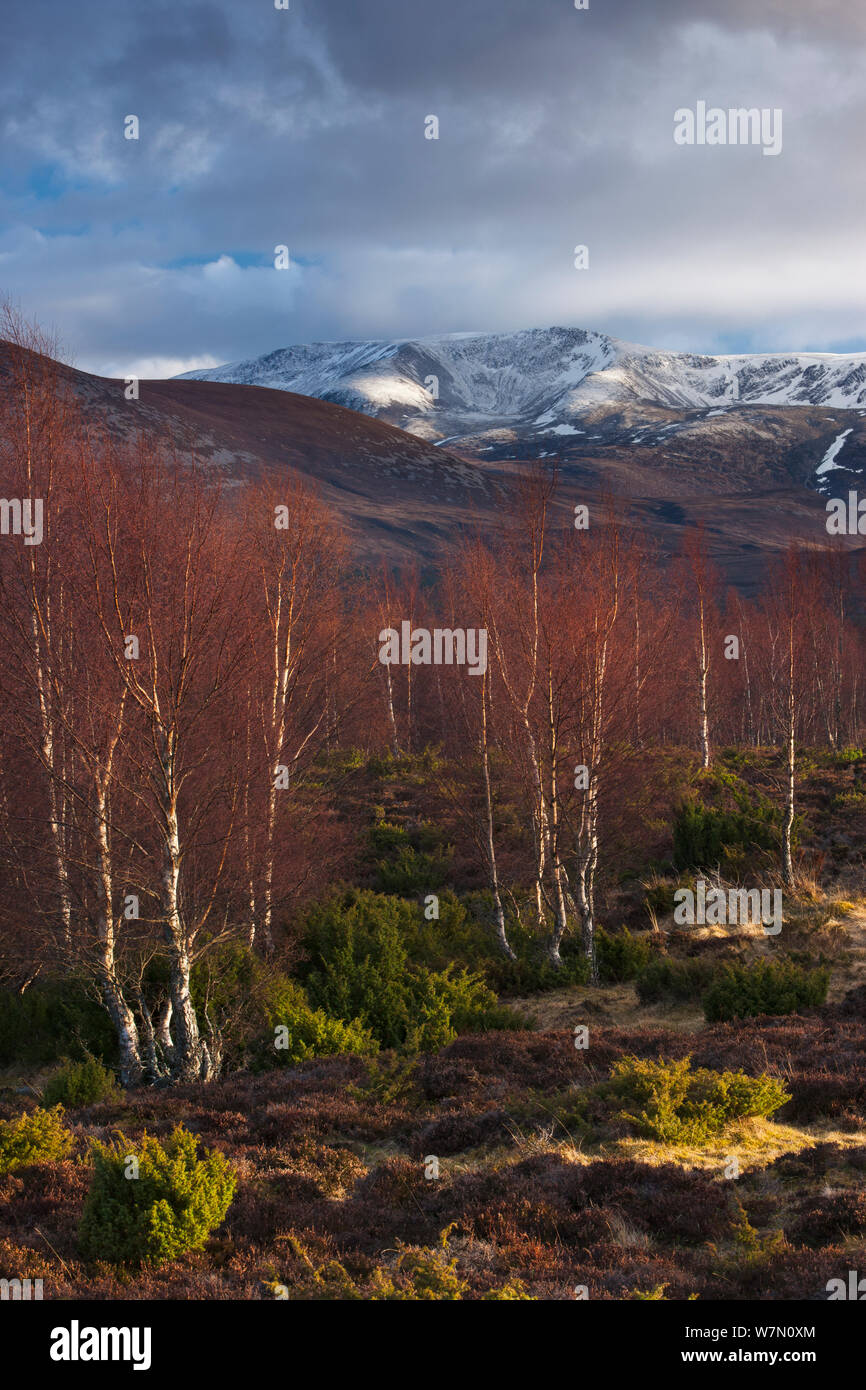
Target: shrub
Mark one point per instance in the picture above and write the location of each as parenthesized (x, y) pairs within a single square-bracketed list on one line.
[(845, 800), (308, 1032), (703, 833), (412, 870), (533, 972), (54, 1019), (341, 760), (382, 766), (577, 1204), (359, 968), (329, 1171), (415, 861), (422, 1274), (462, 935), (248, 997), (80, 1083), (390, 1081), (674, 980), (467, 1002), (386, 838), (670, 1102), (36, 1138), (170, 1207), (844, 756), (621, 957), (765, 987), (418, 1273)]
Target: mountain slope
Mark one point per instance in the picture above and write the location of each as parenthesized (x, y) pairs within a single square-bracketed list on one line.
[(542, 389), (396, 496), (752, 475)]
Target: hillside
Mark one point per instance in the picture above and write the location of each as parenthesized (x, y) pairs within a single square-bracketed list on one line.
[(754, 475)]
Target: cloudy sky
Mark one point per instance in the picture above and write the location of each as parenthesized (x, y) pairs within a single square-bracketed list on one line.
[(306, 128)]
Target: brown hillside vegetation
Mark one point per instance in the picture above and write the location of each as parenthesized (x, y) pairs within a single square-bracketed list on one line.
[(333, 1200)]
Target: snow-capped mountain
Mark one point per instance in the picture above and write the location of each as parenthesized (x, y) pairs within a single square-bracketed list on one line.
[(532, 391)]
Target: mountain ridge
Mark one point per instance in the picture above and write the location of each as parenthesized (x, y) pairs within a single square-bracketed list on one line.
[(539, 387)]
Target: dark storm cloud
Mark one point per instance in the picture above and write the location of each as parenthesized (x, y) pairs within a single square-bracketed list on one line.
[(261, 127)]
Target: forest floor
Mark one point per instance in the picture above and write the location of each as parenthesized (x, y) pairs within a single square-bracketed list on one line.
[(533, 1199), (496, 1166)]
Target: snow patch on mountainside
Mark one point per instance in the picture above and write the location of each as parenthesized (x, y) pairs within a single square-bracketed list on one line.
[(829, 460)]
